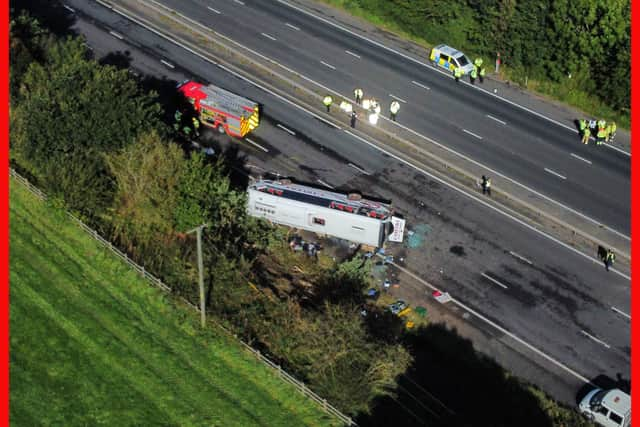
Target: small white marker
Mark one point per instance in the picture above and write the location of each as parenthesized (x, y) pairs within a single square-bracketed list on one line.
[(257, 145), (289, 131), (621, 312), (324, 183), (520, 257), (70, 9), (555, 173), (494, 280), (268, 36), (399, 99), (497, 120), (471, 133), (421, 85), (599, 341), (581, 158), (116, 35), (167, 64), (292, 26), (359, 169), (352, 54), (214, 10), (328, 65)]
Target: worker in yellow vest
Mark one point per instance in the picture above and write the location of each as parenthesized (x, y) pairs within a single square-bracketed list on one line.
[(586, 134), (358, 94), (457, 73), (600, 136), (393, 109), (327, 101)]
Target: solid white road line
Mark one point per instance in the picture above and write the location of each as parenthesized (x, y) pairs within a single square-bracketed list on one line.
[(555, 173), (421, 85), (324, 183), (268, 36), (580, 158), (257, 145), (289, 131), (520, 257), (239, 2), (116, 35), (359, 169), (353, 54), (292, 26), (621, 312), (70, 9), (599, 341), (494, 280), (168, 64), (497, 120), (471, 133), (214, 10), (322, 119), (328, 65), (426, 65), (498, 327), (399, 99)]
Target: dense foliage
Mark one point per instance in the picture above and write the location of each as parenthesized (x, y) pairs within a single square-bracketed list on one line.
[(582, 44)]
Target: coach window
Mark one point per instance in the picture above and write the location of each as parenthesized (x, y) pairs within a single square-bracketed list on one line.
[(319, 221)]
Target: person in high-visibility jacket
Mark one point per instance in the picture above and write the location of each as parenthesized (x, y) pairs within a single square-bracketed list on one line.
[(393, 109), (196, 126), (612, 131), (582, 125), (366, 104), (327, 101), (358, 94), (473, 75), (586, 134), (600, 136), (609, 259), (481, 74), (601, 123), (457, 73), (477, 62), (375, 106)]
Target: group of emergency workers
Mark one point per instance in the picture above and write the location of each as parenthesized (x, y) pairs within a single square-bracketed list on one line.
[(370, 105), (478, 72), (605, 132)]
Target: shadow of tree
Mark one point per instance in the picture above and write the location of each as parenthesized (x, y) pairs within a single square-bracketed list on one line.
[(50, 13), (118, 59)]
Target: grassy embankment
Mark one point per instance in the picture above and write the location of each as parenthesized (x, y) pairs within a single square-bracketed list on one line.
[(92, 343), (565, 92)]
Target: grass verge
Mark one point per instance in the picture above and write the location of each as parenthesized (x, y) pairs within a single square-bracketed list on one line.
[(93, 344)]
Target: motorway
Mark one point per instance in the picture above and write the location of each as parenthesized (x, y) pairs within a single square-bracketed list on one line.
[(558, 302)]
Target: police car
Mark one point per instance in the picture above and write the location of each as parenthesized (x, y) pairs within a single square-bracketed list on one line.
[(449, 58)]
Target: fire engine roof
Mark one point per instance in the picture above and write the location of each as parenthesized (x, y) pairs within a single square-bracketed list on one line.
[(320, 197), (218, 98)]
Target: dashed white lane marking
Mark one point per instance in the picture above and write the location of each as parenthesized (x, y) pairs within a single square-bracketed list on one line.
[(239, 2), (471, 133), (324, 183), (266, 150), (214, 10), (599, 341), (292, 26), (494, 280), (497, 120), (328, 65), (289, 131), (359, 169), (168, 64), (70, 9), (520, 257), (116, 35), (555, 173), (353, 54), (621, 312), (580, 158), (268, 36), (421, 85), (399, 99)]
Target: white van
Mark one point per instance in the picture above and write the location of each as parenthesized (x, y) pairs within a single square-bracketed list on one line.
[(449, 58), (609, 408)]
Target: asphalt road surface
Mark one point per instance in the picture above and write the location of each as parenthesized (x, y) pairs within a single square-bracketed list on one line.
[(563, 305)]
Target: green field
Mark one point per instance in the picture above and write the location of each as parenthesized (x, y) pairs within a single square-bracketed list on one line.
[(92, 343)]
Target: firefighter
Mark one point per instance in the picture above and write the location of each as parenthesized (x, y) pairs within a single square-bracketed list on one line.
[(457, 73), (366, 104), (601, 123), (393, 109), (592, 125), (178, 118), (358, 94), (609, 259), (586, 134), (473, 75), (481, 74), (187, 131), (327, 101), (612, 131), (375, 106), (354, 117), (486, 185), (196, 126), (601, 135), (582, 125)]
